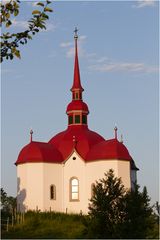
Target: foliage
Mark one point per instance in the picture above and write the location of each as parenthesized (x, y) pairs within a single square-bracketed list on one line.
[(47, 225), (117, 213), (8, 204), (10, 42), (139, 215), (106, 208)]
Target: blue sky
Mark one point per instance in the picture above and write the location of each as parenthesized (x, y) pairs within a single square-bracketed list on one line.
[(118, 55)]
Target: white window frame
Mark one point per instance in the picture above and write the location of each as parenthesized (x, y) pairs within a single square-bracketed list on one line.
[(72, 190)]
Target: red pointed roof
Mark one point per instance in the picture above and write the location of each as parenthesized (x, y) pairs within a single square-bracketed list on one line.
[(109, 149), (39, 152), (76, 78), (85, 140)]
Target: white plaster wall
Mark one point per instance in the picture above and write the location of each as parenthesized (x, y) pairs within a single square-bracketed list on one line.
[(53, 175), (35, 196), (36, 178), (124, 173), (21, 187), (74, 168), (94, 171)]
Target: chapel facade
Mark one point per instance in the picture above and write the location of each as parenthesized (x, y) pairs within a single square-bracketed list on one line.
[(59, 175)]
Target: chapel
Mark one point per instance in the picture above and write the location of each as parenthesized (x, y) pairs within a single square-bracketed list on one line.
[(59, 175)]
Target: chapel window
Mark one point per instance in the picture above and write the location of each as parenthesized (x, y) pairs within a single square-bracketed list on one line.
[(76, 95), (77, 118), (53, 192), (74, 189), (84, 119), (70, 119)]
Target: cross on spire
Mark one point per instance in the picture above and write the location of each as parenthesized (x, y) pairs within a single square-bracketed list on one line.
[(31, 133), (115, 132), (75, 33), (76, 79)]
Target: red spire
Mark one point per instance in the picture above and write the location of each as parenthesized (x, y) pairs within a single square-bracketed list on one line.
[(76, 79)]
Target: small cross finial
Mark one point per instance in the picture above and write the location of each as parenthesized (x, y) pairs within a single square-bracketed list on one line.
[(31, 133), (115, 130), (75, 33)]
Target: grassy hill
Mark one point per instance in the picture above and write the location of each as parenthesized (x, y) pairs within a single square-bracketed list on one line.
[(47, 225)]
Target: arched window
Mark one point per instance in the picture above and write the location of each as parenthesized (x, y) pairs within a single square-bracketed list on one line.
[(92, 189), (74, 189), (53, 192)]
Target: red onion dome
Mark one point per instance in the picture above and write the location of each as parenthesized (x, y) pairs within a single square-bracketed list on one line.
[(109, 149), (85, 140), (77, 105), (39, 152)]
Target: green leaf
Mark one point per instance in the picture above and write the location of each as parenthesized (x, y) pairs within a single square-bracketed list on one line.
[(40, 4), (47, 9), (48, 2), (8, 24), (16, 11), (11, 56), (29, 37), (36, 12), (7, 15), (45, 15), (17, 54), (41, 26), (13, 49)]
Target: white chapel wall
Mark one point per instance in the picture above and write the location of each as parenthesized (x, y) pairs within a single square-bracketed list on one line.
[(74, 168), (95, 171), (124, 173), (35, 179), (21, 187), (53, 176), (34, 186)]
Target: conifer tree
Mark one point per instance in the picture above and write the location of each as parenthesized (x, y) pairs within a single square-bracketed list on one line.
[(106, 210), (139, 219), (115, 212)]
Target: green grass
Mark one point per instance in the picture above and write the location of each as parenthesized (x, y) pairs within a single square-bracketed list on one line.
[(47, 226)]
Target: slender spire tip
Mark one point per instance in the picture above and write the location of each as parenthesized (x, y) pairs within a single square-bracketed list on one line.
[(115, 132), (75, 33), (31, 133)]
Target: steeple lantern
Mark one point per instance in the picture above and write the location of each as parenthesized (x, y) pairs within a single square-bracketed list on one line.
[(77, 110)]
